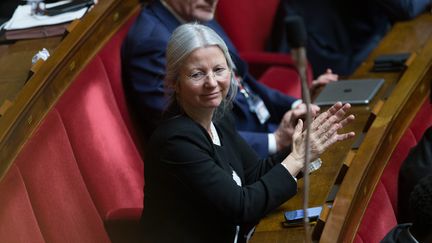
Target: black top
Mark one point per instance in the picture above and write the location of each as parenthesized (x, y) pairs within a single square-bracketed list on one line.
[(190, 194), (399, 234), (416, 166)]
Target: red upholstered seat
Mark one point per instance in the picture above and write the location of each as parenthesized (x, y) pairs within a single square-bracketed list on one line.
[(249, 23), (381, 214), (82, 174), (378, 219), (277, 77), (106, 155), (17, 219), (111, 59), (58, 194), (423, 120), (390, 176)]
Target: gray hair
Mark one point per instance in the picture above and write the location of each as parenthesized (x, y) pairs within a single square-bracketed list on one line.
[(185, 39)]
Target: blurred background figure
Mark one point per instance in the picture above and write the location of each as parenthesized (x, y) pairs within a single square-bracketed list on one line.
[(416, 166), (342, 33), (419, 230)]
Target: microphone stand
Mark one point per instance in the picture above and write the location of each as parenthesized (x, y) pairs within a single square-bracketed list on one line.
[(296, 38), (299, 56)]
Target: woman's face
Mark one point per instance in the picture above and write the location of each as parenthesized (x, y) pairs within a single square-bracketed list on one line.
[(204, 79)]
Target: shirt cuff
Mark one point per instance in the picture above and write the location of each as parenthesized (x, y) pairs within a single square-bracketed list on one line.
[(296, 103), (289, 172), (272, 147)]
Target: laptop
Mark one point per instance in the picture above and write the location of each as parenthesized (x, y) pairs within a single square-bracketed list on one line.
[(354, 91)]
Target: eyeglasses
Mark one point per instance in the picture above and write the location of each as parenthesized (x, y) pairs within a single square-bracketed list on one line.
[(219, 74)]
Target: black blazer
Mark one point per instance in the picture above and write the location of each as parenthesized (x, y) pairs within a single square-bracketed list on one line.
[(416, 166), (399, 234), (190, 194)]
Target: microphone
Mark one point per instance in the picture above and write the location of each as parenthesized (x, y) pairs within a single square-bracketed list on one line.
[(296, 38)]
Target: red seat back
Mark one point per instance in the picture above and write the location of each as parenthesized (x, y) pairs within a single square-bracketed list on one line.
[(105, 152), (247, 22), (58, 194), (381, 214), (81, 168), (18, 222)]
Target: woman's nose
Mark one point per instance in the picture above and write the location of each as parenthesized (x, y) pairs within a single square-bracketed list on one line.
[(211, 80)]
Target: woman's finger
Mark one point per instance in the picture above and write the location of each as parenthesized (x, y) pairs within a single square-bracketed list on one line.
[(347, 120), (325, 115), (338, 137)]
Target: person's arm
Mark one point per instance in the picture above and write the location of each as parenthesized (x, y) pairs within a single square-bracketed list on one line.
[(144, 71), (198, 170), (258, 141)]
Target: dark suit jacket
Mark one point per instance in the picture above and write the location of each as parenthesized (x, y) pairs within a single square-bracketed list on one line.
[(143, 61), (416, 166), (399, 234), (190, 194), (342, 33)]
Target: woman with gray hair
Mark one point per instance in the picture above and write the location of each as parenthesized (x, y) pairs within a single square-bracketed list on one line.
[(203, 181)]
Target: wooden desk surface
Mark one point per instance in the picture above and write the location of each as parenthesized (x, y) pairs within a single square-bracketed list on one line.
[(409, 36), (15, 64)]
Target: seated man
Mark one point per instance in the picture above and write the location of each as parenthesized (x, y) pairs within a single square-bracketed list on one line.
[(341, 34), (264, 117), (419, 230)]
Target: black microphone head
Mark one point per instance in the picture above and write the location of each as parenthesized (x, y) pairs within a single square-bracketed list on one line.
[(295, 31)]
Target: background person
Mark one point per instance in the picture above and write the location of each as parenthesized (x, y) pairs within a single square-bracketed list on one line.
[(419, 230), (416, 166), (342, 33)]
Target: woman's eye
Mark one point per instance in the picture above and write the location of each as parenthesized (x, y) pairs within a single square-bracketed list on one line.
[(197, 75), (220, 70)]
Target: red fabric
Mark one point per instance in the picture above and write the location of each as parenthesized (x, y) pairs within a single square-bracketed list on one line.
[(390, 176), (110, 56), (248, 23), (358, 239), (283, 79), (61, 203), (423, 120), (17, 219), (106, 155), (259, 62), (379, 217), (64, 166)]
